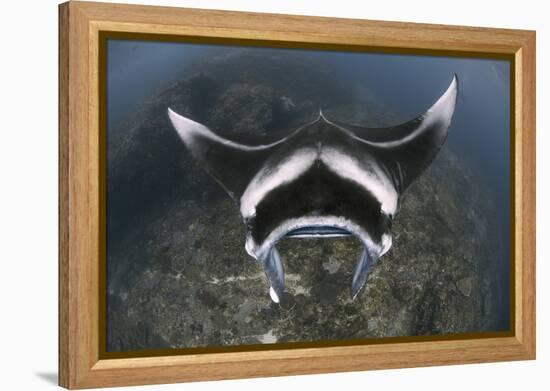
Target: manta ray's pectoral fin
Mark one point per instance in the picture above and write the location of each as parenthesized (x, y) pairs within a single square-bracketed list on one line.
[(407, 149), (232, 164)]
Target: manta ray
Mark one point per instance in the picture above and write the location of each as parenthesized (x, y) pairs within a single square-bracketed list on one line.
[(325, 179)]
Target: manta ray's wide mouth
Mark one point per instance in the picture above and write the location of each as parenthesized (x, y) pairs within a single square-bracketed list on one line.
[(314, 227), (316, 231)]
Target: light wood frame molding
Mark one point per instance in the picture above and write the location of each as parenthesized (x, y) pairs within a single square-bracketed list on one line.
[(80, 24)]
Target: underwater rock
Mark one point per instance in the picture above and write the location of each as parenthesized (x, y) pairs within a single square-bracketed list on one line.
[(465, 286), (178, 274), (244, 108)]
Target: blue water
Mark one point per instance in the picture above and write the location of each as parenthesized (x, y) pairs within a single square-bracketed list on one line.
[(137, 69)]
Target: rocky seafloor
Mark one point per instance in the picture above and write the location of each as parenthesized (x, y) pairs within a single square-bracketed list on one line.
[(177, 272)]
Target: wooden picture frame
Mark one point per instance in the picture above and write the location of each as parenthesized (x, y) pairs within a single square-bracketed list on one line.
[(81, 364)]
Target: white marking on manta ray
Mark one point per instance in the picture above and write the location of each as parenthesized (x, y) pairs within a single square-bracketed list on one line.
[(250, 245), (259, 251), (268, 179), (441, 111), (188, 129), (273, 295), (371, 178), (386, 243)]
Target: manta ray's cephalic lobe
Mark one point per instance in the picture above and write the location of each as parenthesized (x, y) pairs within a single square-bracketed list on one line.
[(326, 178)]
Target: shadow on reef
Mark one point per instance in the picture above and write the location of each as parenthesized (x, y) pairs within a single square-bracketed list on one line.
[(178, 275)]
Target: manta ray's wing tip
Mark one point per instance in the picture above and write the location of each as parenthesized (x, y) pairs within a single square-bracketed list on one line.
[(175, 117), (452, 90), (182, 125), (172, 114), (454, 82), (178, 118), (443, 109), (186, 128)]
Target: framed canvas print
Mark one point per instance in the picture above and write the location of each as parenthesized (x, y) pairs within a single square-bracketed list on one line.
[(248, 195)]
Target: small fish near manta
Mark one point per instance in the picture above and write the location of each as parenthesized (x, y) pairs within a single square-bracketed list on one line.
[(325, 179)]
